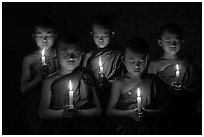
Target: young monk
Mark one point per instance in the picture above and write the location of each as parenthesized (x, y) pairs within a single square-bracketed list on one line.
[(127, 118), (70, 114)]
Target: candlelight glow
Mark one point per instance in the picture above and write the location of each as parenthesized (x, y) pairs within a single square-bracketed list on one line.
[(100, 62), (177, 67), (43, 57), (177, 70), (70, 85), (138, 92), (43, 52), (100, 65), (139, 100)]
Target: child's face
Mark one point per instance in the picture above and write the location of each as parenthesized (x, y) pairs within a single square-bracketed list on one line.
[(44, 37), (135, 62), (101, 36), (170, 42), (69, 56)]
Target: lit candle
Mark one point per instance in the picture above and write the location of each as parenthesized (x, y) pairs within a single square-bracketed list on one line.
[(70, 94), (43, 57), (177, 70), (100, 65), (139, 100)]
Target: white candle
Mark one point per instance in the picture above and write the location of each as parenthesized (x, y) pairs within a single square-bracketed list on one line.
[(177, 70), (100, 65), (139, 100), (43, 57), (71, 92)]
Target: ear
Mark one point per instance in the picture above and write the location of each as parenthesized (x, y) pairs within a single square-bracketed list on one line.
[(91, 33), (123, 59), (55, 36), (147, 58), (113, 33), (159, 42), (33, 36), (82, 54)]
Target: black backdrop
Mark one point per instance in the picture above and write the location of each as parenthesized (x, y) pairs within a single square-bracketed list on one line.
[(131, 19)]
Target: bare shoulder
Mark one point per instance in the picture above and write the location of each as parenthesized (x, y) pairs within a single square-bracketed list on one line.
[(88, 54), (50, 78), (118, 82), (29, 58)]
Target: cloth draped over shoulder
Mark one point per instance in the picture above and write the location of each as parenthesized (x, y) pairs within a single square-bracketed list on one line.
[(111, 62)]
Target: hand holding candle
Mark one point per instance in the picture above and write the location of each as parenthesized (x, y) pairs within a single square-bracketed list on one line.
[(43, 57), (71, 92)]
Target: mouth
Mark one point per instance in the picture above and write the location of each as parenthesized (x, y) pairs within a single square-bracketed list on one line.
[(173, 48), (44, 45), (136, 70), (71, 62)]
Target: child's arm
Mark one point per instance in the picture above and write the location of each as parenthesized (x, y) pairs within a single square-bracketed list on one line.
[(193, 85), (112, 111), (26, 84), (95, 111), (86, 58), (44, 109)]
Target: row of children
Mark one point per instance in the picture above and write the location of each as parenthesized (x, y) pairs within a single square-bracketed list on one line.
[(105, 84)]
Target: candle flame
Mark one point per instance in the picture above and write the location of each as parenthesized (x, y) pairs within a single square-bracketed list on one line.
[(177, 67), (70, 85), (43, 52), (138, 92), (100, 62)]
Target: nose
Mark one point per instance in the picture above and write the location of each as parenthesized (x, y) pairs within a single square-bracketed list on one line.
[(44, 39), (70, 56), (137, 65), (101, 39), (174, 43)]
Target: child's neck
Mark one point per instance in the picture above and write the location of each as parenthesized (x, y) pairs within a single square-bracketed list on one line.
[(47, 51), (133, 77), (64, 71), (101, 49), (170, 57)]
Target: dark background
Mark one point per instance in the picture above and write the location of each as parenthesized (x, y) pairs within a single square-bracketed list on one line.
[(131, 19)]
